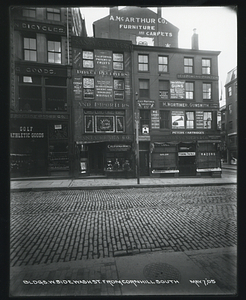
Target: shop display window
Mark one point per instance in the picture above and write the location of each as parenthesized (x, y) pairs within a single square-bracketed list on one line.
[(208, 156), (30, 98)]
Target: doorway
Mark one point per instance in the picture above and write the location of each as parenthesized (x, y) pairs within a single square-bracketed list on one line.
[(144, 163), (187, 165), (95, 152)]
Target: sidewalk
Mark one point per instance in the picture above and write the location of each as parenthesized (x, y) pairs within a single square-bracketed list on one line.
[(111, 183), (200, 272)]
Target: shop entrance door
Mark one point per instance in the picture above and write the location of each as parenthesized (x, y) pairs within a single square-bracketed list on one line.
[(95, 159), (144, 163), (187, 165)]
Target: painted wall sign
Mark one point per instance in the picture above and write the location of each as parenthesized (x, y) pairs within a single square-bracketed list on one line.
[(119, 147), (194, 76), (177, 119), (207, 153), (39, 70), (39, 116), (105, 124), (155, 119), (186, 153), (177, 89), (107, 137), (187, 132), (99, 104), (97, 43), (199, 120), (40, 27), (187, 104), (26, 132), (77, 87)]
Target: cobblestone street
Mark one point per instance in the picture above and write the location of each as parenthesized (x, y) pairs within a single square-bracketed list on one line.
[(62, 226)]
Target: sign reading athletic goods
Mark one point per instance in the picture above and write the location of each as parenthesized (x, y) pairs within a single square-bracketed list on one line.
[(40, 27)]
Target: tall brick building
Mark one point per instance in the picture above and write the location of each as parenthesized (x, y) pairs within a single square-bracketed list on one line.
[(40, 87)]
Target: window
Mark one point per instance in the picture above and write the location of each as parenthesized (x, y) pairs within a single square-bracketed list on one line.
[(54, 52), (163, 64), (229, 91), (143, 62), (164, 119), (118, 61), (56, 93), (207, 119), (29, 12), (118, 89), (206, 66), (88, 59), (230, 109), (143, 88), (190, 119), (30, 48), (104, 121), (144, 118), (188, 65), (163, 89), (88, 88), (30, 93), (53, 14), (230, 125), (189, 90), (206, 91)]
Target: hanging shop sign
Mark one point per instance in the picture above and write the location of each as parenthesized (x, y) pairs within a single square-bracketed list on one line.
[(146, 104), (177, 119), (40, 27), (199, 120), (77, 88), (177, 89)]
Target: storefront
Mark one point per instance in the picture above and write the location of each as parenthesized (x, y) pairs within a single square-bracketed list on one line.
[(105, 158), (38, 147), (186, 158)]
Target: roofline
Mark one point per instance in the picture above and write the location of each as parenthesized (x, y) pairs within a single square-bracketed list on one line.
[(170, 49)]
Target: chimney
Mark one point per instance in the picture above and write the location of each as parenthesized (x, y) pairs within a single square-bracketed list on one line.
[(194, 40), (113, 11), (158, 12)]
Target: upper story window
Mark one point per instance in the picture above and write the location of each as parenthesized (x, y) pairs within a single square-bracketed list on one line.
[(56, 93), (188, 65), (53, 14), (143, 62), (54, 52), (163, 89), (165, 119), (143, 88), (207, 119), (118, 59), (229, 91), (230, 109), (88, 88), (163, 63), (88, 59), (30, 48), (189, 90), (118, 89), (206, 66), (207, 91), (190, 120), (144, 118), (29, 12)]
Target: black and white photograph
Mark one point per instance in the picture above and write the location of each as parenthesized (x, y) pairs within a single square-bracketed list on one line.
[(123, 151)]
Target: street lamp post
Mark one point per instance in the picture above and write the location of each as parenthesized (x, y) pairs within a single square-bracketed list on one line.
[(137, 140)]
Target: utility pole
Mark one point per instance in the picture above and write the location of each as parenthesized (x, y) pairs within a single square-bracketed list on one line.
[(137, 139)]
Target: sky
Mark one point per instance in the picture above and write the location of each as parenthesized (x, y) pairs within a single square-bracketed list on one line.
[(216, 27)]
